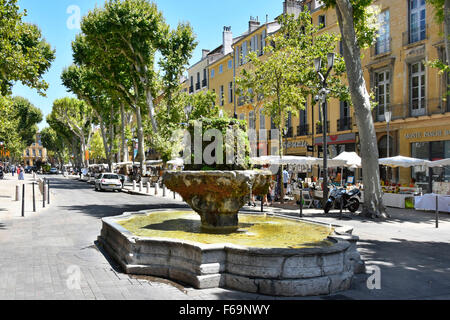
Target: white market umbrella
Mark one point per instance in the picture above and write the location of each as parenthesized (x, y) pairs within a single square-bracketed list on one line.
[(179, 162), (346, 159), (285, 160), (403, 162), (352, 160), (440, 163)]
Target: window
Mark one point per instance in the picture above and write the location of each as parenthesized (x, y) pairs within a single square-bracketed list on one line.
[(417, 26), (220, 69), (230, 64), (322, 21), (244, 53), (34, 152), (263, 42), (383, 93), (383, 44), (230, 92), (40, 153), (222, 94), (251, 120), (433, 151), (212, 73), (417, 89), (237, 57), (344, 121), (262, 120)]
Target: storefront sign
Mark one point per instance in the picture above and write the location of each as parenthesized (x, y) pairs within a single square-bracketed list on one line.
[(296, 144), (427, 134), (338, 139)]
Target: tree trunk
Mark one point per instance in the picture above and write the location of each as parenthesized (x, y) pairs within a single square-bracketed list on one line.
[(141, 145), (151, 110), (373, 203), (125, 155)]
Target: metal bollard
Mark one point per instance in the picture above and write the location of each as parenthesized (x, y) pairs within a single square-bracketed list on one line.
[(23, 200), (156, 189), (44, 194), (140, 186), (437, 212), (48, 191), (301, 203), (164, 190), (148, 187), (262, 203), (17, 193), (34, 198), (174, 195), (134, 185)]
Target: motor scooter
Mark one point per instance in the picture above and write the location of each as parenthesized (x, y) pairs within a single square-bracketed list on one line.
[(350, 200)]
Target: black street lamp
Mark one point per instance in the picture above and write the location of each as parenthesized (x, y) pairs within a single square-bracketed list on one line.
[(322, 98)]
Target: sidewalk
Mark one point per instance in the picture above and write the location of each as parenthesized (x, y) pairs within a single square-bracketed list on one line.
[(12, 209)]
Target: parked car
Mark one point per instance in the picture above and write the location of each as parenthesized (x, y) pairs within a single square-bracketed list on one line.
[(28, 169), (108, 181), (53, 171)]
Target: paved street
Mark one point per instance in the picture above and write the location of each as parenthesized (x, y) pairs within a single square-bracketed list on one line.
[(42, 253)]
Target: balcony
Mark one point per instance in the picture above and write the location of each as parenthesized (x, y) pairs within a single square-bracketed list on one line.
[(319, 128), (204, 83), (409, 37), (403, 111), (303, 130), (344, 124), (197, 86)]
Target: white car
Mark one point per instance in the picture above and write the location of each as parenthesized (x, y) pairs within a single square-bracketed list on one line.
[(108, 181)]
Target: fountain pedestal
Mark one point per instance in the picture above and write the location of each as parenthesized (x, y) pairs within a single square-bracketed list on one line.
[(217, 196)]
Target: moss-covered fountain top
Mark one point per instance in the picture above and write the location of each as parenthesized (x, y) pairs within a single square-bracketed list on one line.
[(218, 175)]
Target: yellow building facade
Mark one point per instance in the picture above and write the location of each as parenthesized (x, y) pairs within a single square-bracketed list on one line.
[(395, 71), (35, 152)]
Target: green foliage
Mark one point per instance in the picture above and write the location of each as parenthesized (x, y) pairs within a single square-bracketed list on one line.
[(365, 20), (55, 143), (9, 123), (438, 6), (24, 55), (287, 77), (29, 116), (96, 150), (237, 143)]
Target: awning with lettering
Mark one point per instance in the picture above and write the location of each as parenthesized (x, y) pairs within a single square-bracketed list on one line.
[(337, 139)]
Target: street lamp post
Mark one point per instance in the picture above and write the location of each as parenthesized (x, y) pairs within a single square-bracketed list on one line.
[(322, 98)]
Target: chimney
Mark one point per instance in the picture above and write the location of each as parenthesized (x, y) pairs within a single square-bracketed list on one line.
[(227, 40), (204, 53), (253, 24), (292, 7)]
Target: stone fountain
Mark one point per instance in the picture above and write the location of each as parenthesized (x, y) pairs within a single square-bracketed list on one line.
[(217, 194)]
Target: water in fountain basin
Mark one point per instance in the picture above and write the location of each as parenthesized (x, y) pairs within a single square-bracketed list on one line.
[(254, 230)]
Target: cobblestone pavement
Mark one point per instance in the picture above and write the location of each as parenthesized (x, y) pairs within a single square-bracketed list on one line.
[(43, 254)]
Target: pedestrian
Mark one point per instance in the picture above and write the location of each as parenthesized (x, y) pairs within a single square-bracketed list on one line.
[(21, 174)]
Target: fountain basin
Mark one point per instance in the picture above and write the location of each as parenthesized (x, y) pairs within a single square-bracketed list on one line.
[(217, 196), (272, 271)]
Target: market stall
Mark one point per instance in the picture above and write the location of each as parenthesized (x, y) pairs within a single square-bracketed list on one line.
[(427, 202)]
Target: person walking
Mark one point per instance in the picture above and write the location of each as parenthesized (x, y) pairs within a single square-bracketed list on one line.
[(21, 174)]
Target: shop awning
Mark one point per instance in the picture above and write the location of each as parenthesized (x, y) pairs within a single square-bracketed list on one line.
[(352, 160), (404, 162), (440, 163)]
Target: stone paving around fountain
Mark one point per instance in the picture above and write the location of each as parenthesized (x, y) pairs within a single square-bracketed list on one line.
[(38, 250)]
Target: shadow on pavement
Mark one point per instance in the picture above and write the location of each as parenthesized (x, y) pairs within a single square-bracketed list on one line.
[(102, 211)]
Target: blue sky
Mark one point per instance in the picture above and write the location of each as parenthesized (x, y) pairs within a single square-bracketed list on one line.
[(206, 16)]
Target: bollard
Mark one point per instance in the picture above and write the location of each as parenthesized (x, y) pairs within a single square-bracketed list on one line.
[(301, 203), (156, 189), (134, 185), (148, 187), (262, 203), (174, 195), (437, 212), (23, 200), (17, 193), (164, 190), (48, 191), (140, 186), (34, 198), (43, 193), (342, 207)]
